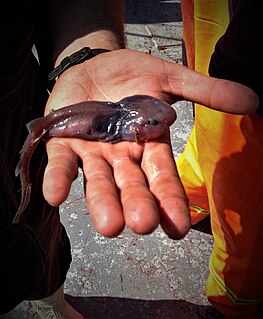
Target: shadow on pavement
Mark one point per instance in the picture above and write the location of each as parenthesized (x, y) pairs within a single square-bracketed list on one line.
[(152, 11), (203, 226), (126, 308)]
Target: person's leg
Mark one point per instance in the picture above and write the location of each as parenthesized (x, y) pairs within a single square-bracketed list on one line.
[(187, 164), (35, 253), (233, 168), (228, 151), (203, 23), (193, 180)]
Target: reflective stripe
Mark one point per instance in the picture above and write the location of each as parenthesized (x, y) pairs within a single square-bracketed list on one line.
[(229, 292), (197, 214), (199, 210)]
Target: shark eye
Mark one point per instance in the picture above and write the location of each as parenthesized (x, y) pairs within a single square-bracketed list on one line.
[(152, 122)]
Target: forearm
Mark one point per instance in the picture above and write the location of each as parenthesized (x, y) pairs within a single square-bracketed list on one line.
[(79, 23)]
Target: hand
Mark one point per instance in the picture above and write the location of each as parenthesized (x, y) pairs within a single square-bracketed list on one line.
[(129, 183)]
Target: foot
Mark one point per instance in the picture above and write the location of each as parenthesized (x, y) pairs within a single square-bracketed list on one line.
[(65, 311), (55, 307)]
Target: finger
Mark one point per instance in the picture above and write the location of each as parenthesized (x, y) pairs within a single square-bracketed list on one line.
[(165, 184), (60, 172), (139, 207), (219, 94), (102, 196)]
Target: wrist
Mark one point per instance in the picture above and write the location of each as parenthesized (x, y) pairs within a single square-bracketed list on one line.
[(104, 39), (75, 58)]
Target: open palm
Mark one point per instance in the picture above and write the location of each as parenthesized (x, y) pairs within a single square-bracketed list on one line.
[(127, 183)]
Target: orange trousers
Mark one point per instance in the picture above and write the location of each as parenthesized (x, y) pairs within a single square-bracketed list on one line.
[(222, 171)]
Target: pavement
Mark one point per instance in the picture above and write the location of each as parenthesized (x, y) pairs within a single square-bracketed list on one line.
[(131, 276)]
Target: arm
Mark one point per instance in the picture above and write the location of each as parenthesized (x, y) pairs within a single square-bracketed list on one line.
[(109, 210), (76, 24), (127, 183)]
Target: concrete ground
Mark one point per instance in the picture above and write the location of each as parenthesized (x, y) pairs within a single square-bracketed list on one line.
[(138, 277)]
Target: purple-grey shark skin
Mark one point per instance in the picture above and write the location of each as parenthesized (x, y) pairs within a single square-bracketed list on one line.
[(137, 118)]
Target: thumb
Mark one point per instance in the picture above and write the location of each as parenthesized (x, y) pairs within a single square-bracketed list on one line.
[(218, 94)]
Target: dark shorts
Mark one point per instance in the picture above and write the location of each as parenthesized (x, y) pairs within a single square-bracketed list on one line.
[(238, 55), (35, 253)]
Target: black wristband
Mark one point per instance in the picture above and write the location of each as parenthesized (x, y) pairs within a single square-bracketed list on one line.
[(75, 58)]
